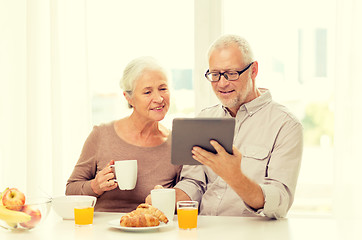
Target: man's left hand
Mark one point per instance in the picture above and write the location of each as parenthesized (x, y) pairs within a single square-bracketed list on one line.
[(227, 166)]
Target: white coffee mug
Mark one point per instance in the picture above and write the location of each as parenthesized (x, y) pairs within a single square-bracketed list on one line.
[(164, 199), (126, 174)]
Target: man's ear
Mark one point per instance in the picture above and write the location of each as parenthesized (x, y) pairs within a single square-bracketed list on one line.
[(254, 70)]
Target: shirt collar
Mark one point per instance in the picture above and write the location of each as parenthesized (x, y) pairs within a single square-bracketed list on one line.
[(255, 105)]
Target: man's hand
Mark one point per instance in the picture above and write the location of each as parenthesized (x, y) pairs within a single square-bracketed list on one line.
[(104, 180), (228, 167), (225, 165), (148, 198)]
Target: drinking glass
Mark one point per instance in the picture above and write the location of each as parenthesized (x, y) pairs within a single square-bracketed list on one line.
[(187, 212), (83, 213)]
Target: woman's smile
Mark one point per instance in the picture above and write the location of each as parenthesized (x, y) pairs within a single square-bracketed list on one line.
[(159, 108)]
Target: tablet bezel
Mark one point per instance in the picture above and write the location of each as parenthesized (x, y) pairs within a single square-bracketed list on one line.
[(189, 132)]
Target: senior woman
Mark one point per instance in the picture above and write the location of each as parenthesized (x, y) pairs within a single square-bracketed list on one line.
[(139, 136)]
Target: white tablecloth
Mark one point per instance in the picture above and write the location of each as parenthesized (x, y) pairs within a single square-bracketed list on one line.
[(209, 227)]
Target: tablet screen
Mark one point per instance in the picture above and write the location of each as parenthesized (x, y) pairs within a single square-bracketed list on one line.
[(189, 132)]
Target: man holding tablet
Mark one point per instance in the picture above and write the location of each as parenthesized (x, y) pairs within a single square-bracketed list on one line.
[(260, 177)]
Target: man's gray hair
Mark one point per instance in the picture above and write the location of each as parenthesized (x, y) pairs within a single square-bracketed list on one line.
[(230, 39)]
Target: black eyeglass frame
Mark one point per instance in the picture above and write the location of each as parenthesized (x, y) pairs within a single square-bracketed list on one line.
[(225, 74)]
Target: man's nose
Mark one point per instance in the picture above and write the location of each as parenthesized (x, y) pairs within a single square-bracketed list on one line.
[(223, 81)]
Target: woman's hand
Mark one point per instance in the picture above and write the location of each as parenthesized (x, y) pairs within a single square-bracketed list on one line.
[(104, 180)]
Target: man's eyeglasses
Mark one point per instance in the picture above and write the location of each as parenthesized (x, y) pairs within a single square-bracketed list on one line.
[(230, 76)]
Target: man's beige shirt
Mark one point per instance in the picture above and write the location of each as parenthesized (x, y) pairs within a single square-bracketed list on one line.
[(270, 139)]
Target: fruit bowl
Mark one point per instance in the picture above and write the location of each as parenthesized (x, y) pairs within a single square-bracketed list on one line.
[(25, 217)]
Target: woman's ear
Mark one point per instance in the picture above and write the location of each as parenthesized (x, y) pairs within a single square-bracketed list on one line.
[(128, 98)]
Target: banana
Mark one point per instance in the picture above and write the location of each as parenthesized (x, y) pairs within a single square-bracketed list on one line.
[(1, 196), (13, 217), (10, 224)]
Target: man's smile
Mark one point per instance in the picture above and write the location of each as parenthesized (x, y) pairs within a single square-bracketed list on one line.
[(226, 92)]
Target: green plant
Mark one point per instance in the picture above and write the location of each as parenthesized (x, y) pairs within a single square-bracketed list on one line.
[(317, 122)]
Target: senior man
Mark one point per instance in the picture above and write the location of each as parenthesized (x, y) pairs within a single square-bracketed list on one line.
[(260, 177)]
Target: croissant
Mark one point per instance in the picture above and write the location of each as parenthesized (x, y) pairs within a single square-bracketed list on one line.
[(140, 220), (149, 209), (145, 215)]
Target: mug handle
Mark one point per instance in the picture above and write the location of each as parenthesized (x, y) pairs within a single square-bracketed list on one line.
[(115, 180)]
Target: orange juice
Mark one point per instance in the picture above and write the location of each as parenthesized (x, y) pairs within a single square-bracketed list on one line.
[(83, 216), (187, 217)]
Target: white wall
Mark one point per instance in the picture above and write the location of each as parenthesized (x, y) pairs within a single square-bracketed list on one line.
[(13, 89), (45, 105)]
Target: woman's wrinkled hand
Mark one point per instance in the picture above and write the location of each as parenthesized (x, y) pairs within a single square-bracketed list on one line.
[(104, 180), (148, 198)]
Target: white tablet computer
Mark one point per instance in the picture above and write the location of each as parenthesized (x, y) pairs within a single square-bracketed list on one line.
[(189, 132)]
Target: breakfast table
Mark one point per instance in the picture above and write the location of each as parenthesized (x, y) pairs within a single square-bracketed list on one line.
[(305, 227)]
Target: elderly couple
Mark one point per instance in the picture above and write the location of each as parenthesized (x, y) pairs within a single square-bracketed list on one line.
[(258, 179)]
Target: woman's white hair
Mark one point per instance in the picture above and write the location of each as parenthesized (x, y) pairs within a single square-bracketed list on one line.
[(230, 39), (134, 70)]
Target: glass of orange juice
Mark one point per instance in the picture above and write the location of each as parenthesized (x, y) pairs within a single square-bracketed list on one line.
[(187, 212), (83, 213)]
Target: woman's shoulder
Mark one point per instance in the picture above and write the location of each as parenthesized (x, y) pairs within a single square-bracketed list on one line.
[(105, 125), (103, 129)]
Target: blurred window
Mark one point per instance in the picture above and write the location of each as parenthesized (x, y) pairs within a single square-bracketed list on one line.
[(163, 29), (294, 46)]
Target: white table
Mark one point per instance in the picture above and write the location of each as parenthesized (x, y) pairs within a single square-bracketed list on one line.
[(223, 228)]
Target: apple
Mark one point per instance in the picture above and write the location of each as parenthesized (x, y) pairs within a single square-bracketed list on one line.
[(35, 216), (13, 199)]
